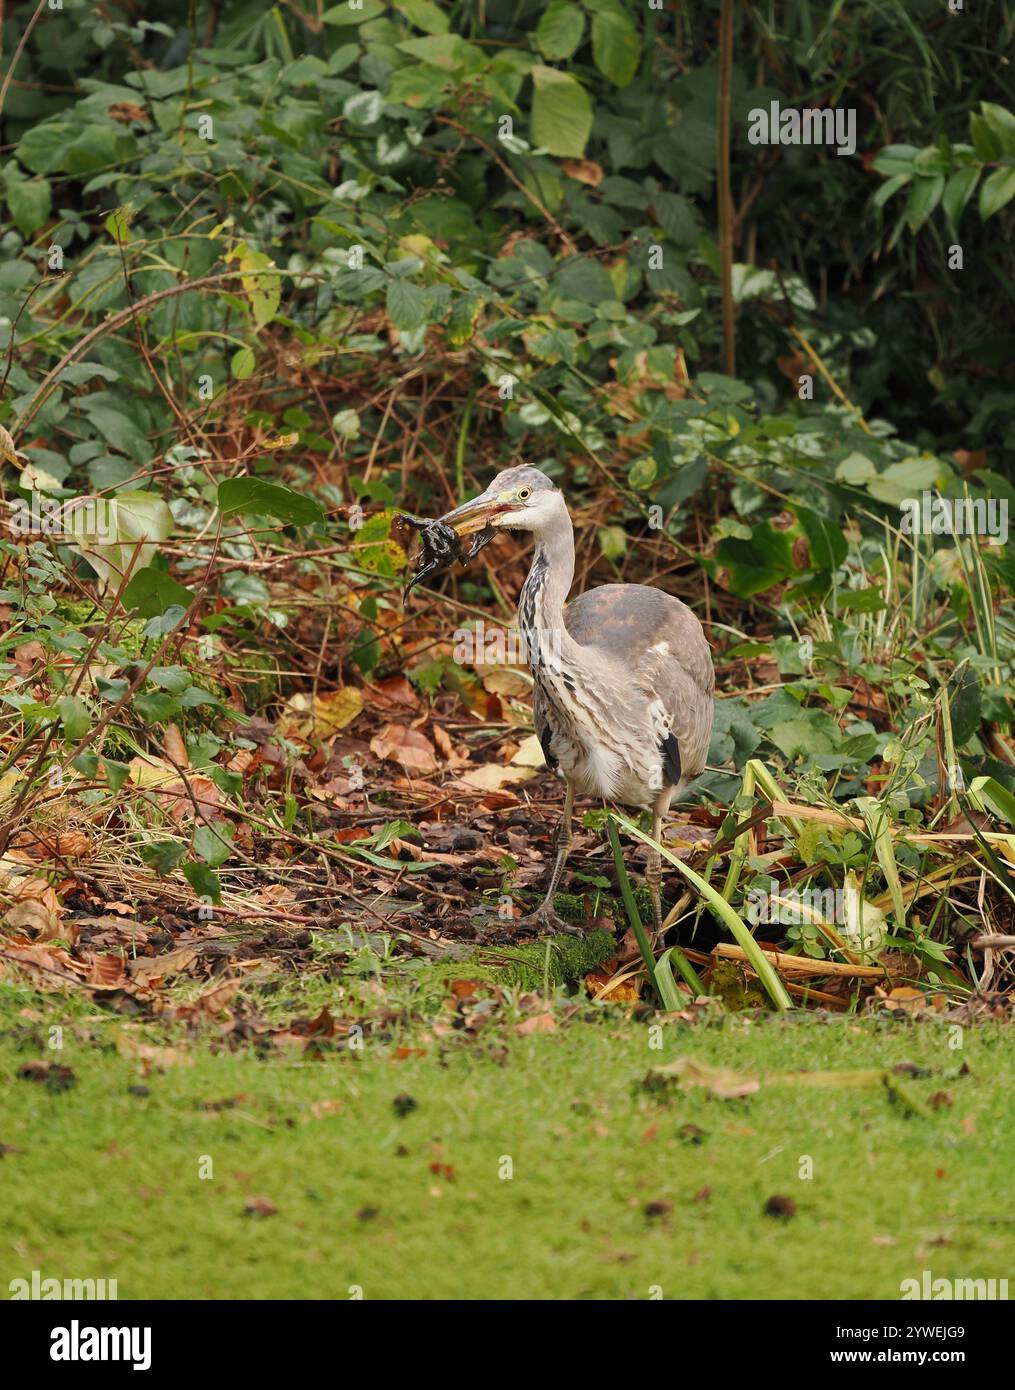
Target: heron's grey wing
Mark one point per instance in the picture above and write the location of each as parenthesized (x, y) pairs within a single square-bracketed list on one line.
[(661, 642)]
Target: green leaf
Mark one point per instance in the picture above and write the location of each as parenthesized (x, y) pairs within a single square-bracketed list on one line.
[(560, 30), (827, 543), (242, 364), (616, 45), (446, 51), (418, 85), (958, 191), (424, 15), (1002, 123), (204, 883), (116, 773), (985, 141), (561, 113), (987, 794), (42, 147), (119, 533), (29, 202), (151, 591), (74, 716), (895, 159), (997, 192), (345, 15), (678, 218), (255, 497), (889, 189), (214, 843), (407, 305), (163, 856), (924, 197), (156, 707)]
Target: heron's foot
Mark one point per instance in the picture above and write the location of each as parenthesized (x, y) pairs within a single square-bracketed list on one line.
[(545, 921)]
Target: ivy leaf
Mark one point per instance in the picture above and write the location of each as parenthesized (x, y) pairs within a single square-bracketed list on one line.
[(74, 716), (561, 112), (151, 591), (163, 856), (253, 496), (204, 883), (214, 843)]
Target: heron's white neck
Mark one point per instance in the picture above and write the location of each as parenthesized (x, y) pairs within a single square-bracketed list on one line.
[(545, 591)]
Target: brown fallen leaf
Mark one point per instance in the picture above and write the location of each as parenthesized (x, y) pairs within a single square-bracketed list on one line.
[(260, 1207), (537, 1023), (400, 744), (175, 748), (491, 777), (66, 844), (106, 972), (26, 655), (33, 916), (212, 1002), (147, 969), (48, 967), (584, 171), (149, 1055)]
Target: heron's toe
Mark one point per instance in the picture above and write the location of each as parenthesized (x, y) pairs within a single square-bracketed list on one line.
[(546, 922)]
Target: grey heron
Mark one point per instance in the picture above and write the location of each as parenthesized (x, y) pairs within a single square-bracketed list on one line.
[(622, 675)]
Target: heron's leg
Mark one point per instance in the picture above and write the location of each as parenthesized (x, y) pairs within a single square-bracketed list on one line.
[(545, 916), (653, 864)]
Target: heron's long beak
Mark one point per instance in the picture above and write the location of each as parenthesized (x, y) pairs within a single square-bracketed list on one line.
[(477, 514)]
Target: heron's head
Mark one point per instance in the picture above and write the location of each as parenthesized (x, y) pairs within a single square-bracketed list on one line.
[(519, 499)]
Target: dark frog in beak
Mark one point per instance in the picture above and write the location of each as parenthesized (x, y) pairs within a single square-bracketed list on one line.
[(498, 506)]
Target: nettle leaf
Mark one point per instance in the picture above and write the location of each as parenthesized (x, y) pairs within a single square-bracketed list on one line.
[(560, 30), (446, 51), (255, 497), (561, 112), (616, 45), (419, 85), (406, 304), (678, 218), (42, 147), (424, 15)]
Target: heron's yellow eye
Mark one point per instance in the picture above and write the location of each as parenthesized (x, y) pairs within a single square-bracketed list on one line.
[(523, 493)]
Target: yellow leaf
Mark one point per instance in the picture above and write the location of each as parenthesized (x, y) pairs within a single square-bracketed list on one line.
[(333, 712)]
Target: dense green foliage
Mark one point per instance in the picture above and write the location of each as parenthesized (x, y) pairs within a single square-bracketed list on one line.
[(256, 253)]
